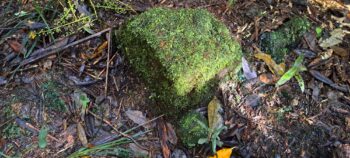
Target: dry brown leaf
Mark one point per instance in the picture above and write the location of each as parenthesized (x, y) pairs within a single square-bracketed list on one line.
[(330, 4), (17, 47), (214, 117), (340, 51), (137, 117), (98, 51), (274, 68), (81, 134)]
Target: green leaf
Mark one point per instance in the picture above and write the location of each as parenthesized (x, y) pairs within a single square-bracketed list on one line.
[(318, 31), (42, 137), (203, 140), (300, 81), (297, 66), (202, 124), (81, 100)]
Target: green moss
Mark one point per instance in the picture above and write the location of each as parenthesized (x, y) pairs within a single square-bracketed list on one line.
[(277, 43), (178, 53), (52, 100), (10, 130), (190, 131)]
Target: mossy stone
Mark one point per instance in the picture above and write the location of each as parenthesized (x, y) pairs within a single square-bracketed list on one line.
[(277, 43), (190, 131), (178, 52)]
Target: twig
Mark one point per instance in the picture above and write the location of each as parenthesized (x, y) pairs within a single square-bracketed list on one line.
[(108, 53), (33, 129), (51, 52), (121, 133), (110, 60)]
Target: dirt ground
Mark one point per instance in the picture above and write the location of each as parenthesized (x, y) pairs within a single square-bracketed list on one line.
[(263, 120)]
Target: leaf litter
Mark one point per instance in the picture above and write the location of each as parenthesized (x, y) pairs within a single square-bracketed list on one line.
[(253, 111)]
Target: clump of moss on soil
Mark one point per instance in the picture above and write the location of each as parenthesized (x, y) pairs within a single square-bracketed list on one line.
[(178, 53), (277, 43), (190, 131), (51, 94)]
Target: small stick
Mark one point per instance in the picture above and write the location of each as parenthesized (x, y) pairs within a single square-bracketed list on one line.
[(30, 127), (121, 133), (51, 52), (108, 53)]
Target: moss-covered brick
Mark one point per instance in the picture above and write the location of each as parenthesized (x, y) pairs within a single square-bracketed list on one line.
[(277, 43), (178, 52)]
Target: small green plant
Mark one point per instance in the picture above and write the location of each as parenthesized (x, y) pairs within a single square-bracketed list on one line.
[(294, 72), (281, 113), (117, 6), (318, 31), (10, 130), (71, 20), (230, 3), (214, 139)]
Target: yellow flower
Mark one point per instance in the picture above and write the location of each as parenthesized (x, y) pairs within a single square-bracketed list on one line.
[(32, 35), (223, 153)]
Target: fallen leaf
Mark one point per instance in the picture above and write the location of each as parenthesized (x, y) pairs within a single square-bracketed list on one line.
[(336, 37), (42, 137), (223, 153), (330, 4), (267, 78), (252, 100), (248, 73), (172, 138), (163, 133), (17, 47), (215, 119), (98, 50), (328, 81), (136, 149), (274, 68), (137, 117), (340, 51), (307, 53), (81, 134)]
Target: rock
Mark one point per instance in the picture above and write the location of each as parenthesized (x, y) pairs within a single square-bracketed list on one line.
[(178, 53), (277, 43)]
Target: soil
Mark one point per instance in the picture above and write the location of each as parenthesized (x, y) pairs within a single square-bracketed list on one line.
[(263, 120)]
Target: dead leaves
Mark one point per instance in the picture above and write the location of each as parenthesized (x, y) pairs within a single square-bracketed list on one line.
[(330, 4), (215, 119), (277, 69), (81, 134), (336, 37), (137, 117), (248, 73), (16, 46)]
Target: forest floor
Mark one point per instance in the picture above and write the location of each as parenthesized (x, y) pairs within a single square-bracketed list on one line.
[(66, 90)]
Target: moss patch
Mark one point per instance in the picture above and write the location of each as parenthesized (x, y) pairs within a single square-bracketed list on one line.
[(52, 100), (277, 42), (190, 131), (178, 53)]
